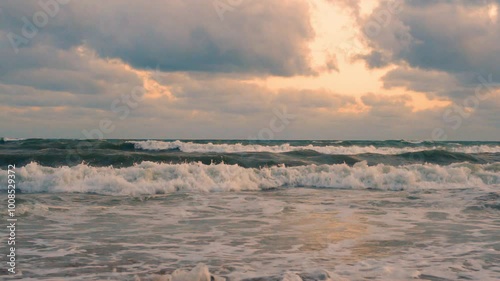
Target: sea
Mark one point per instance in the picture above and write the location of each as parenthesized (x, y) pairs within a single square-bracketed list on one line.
[(295, 210)]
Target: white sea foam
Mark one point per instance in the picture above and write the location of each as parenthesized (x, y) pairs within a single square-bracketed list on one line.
[(202, 273), (154, 178), (476, 149), (338, 150), (199, 273), (12, 139), (414, 141)]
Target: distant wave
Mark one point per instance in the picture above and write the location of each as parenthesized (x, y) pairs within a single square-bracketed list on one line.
[(11, 139), (158, 178), (415, 141), (336, 150)]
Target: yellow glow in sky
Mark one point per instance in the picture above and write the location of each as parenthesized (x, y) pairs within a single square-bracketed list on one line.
[(337, 39), (337, 34), (493, 12)]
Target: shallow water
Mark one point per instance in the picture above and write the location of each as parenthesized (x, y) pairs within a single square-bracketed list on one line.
[(254, 210), (445, 234)]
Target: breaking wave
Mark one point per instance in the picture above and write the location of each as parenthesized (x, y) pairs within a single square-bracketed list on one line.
[(159, 178), (329, 149)]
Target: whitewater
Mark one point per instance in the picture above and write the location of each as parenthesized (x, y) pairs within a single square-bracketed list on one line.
[(286, 147), (295, 210)]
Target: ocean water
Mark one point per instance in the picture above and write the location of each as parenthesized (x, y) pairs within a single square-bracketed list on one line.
[(254, 210)]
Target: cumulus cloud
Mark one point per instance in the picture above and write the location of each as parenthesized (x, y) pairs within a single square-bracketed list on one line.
[(93, 53), (259, 37), (456, 36)]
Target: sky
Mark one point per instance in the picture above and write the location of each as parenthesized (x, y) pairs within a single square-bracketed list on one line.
[(250, 69)]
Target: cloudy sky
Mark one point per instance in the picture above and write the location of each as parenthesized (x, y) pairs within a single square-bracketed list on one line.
[(239, 69)]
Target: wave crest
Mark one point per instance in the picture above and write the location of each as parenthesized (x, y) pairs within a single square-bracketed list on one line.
[(159, 178), (332, 149)]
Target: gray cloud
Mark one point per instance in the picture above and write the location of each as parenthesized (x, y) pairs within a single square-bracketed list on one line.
[(181, 35), (50, 88), (451, 36)]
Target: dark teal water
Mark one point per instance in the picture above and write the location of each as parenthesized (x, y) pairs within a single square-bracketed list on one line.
[(255, 210), (245, 153)]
